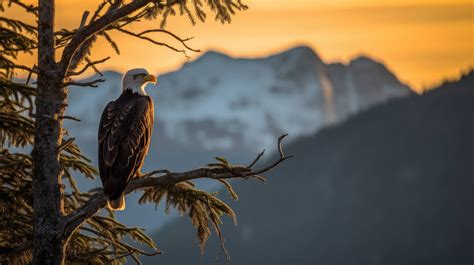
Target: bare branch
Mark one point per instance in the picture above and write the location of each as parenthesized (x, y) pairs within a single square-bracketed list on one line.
[(280, 148), (131, 19), (28, 78), (257, 158), (84, 19), (167, 178), (152, 41), (89, 64), (98, 10), (67, 117), (93, 67), (279, 160), (181, 40), (92, 83)]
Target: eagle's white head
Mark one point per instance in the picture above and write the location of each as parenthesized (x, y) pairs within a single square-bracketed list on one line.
[(136, 79)]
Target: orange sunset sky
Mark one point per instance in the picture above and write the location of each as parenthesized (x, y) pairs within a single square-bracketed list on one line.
[(422, 41)]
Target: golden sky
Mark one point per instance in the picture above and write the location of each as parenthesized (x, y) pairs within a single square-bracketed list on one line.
[(422, 41)]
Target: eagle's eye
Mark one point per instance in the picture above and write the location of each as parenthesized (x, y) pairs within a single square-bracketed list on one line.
[(137, 75)]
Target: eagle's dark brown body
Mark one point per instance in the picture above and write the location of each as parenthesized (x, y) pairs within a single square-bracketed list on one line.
[(124, 137)]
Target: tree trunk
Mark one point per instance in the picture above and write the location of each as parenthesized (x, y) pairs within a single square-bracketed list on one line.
[(48, 247)]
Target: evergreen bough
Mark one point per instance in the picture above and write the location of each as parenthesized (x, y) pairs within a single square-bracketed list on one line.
[(85, 231)]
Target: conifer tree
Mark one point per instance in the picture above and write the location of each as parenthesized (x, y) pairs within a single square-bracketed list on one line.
[(45, 218)]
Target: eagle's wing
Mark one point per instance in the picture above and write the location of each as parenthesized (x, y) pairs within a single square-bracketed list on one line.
[(124, 138)]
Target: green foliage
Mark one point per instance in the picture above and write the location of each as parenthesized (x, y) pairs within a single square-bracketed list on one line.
[(203, 208), (16, 106), (15, 203), (16, 132), (100, 239), (223, 10), (87, 245), (16, 36)]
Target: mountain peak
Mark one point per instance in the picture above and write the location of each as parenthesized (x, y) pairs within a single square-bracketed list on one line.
[(213, 55), (364, 60), (303, 49), (362, 64), (298, 51)]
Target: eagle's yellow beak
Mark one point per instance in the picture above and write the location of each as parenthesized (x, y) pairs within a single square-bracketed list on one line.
[(150, 78)]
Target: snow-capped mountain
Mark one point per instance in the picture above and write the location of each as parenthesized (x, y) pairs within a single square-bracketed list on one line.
[(362, 83), (223, 103), (219, 105)]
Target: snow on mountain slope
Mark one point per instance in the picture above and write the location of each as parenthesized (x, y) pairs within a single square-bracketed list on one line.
[(224, 102), (362, 83), (218, 105)]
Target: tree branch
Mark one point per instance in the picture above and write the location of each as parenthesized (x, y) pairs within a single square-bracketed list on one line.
[(28, 8), (181, 40), (92, 83), (89, 64), (84, 19), (95, 27), (23, 67), (156, 42), (167, 178), (67, 117), (256, 159), (84, 49)]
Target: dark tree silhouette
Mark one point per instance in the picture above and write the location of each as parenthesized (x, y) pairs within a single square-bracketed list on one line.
[(47, 221)]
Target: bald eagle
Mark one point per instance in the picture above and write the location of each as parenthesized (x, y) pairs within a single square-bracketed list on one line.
[(124, 136)]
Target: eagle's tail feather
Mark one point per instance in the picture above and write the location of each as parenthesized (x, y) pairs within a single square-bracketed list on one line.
[(117, 204)]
